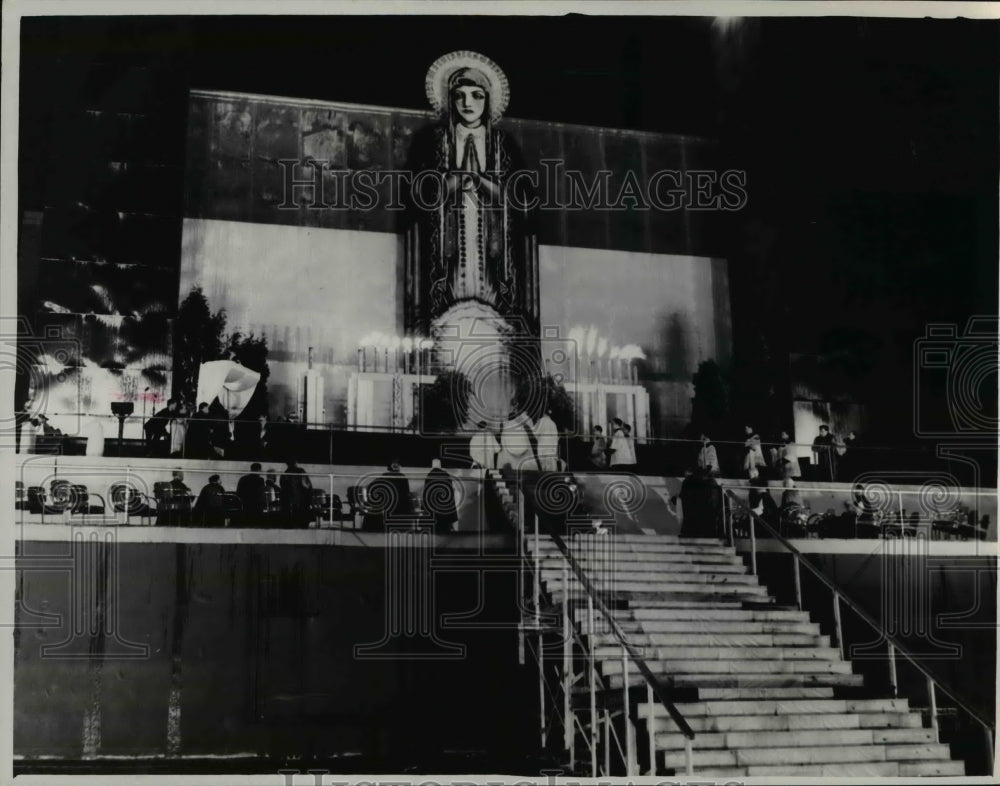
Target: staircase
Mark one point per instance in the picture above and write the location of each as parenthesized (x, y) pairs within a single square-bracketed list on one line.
[(764, 691)]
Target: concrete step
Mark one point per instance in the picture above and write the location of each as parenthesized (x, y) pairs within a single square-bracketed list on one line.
[(794, 738), (610, 544), (815, 754), (702, 680), (734, 640), (617, 574), (739, 615), (637, 563), (703, 595), (912, 769), (786, 707), (849, 770), (763, 694), (691, 583), (728, 626), (931, 751), (613, 665), (725, 723), (721, 653)]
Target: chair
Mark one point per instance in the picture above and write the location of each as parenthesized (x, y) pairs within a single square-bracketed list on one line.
[(355, 503), (232, 508), (125, 497), (36, 500), (319, 504), (173, 508), (20, 496)]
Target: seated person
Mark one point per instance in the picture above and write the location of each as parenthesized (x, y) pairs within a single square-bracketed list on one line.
[(173, 501), (209, 509), (251, 489)]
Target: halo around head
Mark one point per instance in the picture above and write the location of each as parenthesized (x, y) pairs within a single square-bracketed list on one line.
[(441, 70)]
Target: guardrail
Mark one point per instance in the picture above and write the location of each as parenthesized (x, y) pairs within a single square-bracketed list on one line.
[(840, 597)]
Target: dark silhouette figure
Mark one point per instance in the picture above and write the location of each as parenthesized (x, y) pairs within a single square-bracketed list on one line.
[(439, 499), (296, 491), (251, 489)]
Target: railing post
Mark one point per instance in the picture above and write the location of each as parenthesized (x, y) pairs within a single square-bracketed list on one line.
[(650, 730), (541, 687), (798, 582), (753, 546), (688, 755), (567, 665), (128, 494), (932, 699), (592, 646), (893, 682), (837, 626), (989, 749), (629, 752), (607, 743)]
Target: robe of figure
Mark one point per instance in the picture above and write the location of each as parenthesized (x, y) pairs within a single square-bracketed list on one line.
[(477, 242), (547, 436)]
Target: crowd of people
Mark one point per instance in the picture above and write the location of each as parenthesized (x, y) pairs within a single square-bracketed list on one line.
[(180, 430), (833, 456)]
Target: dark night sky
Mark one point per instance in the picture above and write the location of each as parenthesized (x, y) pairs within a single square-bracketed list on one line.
[(870, 144)]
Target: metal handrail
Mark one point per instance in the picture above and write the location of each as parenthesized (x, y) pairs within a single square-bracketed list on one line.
[(893, 643), (619, 634)]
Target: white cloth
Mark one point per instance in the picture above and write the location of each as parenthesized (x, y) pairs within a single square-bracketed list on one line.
[(232, 383), (483, 448), (754, 460), (28, 432), (622, 449), (787, 453), (178, 431), (95, 437), (516, 445), (547, 437), (708, 458)]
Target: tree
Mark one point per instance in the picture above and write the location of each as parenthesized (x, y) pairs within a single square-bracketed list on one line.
[(444, 404), (198, 339)]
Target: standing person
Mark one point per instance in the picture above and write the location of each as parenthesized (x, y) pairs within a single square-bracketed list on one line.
[(753, 462), (848, 465), (178, 429), (788, 459), (272, 492), (155, 429), (619, 447), (547, 439), (388, 498), (252, 491), (296, 491), (708, 458), (198, 442), (483, 447), (630, 445), (439, 499), (221, 437), (599, 449), (822, 448)]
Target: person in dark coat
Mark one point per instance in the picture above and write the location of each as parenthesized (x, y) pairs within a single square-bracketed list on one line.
[(439, 499), (198, 442), (209, 508), (701, 505), (296, 491), (387, 498), (251, 491), (823, 450), (221, 439), (155, 429)]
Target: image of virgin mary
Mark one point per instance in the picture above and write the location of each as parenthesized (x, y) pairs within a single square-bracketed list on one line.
[(475, 243)]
